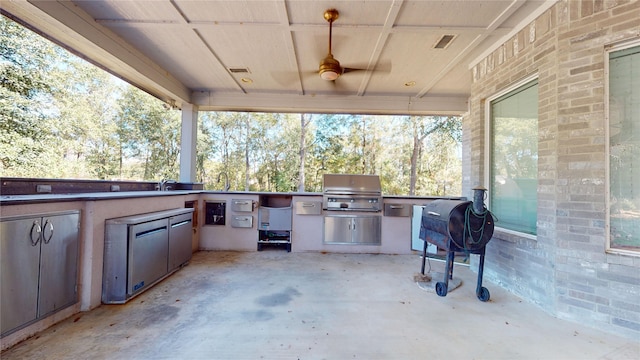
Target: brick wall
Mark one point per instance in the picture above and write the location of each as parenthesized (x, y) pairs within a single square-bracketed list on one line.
[(566, 269)]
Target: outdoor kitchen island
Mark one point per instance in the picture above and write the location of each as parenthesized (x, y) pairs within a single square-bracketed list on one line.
[(350, 216), (235, 228), (308, 225)]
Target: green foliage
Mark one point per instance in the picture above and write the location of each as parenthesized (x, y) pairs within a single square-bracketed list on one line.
[(335, 144), (148, 133), (62, 117), (23, 75)]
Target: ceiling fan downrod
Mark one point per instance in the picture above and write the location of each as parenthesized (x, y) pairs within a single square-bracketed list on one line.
[(331, 15), (329, 67)]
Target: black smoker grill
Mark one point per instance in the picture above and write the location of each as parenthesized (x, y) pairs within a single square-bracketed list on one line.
[(462, 226)]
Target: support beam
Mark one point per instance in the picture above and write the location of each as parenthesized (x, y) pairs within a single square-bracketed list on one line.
[(188, 141), (326, 104)]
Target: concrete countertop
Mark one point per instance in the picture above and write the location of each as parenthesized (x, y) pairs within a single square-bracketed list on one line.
[(47, 198)]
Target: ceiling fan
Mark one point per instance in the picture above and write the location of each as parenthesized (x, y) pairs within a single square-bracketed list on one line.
[(330, 68)]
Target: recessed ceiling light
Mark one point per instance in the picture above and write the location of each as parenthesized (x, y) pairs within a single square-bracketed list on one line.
[(410, 83), (246, 80)]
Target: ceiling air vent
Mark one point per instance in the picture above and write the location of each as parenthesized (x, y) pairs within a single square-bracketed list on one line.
[(239, 70), (444, 41)]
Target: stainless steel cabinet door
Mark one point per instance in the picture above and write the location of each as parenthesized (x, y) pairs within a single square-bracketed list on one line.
[(58, 263), (148, 254), (179, 240), (367, 230), (338, 229), (19, 264)]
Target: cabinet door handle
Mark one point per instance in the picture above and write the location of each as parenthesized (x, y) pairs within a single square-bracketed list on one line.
[(396, 206), (46, 239), (37, 229), (308, 205), (184, 222)]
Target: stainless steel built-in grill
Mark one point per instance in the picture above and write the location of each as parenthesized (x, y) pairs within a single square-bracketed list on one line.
[(345, 198), (351, 192)]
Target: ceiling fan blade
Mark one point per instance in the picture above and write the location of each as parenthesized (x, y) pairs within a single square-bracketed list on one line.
[(346, 70), (379, 68)]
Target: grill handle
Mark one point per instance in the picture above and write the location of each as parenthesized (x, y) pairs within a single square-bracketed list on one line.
[(433, 213)]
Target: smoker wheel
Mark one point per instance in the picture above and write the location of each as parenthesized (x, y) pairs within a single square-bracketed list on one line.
[(441, 288), (483, 294)]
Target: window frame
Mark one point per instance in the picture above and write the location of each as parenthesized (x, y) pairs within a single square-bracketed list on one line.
[(487, 145), (608, 49)]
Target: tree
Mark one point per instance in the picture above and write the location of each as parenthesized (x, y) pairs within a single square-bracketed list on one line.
[(24, 105), (304, 123), (149, 132), (87, 100), (421, 128)]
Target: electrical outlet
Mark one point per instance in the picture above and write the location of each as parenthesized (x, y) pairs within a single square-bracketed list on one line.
[(43, 188)]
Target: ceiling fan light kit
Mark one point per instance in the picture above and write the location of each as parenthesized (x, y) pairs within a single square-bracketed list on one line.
[(330, 68)]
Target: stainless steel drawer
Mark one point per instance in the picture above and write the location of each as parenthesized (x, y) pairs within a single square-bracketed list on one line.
[(308, 207), (242, 205), (403, 210), (242, 221)]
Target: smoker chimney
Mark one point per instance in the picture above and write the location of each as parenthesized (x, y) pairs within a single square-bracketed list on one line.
[(478, 199)]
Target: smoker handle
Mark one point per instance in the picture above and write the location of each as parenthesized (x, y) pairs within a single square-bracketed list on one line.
[(433, 213)]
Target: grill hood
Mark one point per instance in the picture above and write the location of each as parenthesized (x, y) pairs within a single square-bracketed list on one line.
[(351, 192), (353, 184)]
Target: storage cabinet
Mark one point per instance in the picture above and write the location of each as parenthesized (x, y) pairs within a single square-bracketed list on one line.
[(141, 250), (352, 229), (180, 229), (39, 267)]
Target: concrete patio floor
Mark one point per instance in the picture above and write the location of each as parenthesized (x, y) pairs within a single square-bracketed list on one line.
[(278, 305)]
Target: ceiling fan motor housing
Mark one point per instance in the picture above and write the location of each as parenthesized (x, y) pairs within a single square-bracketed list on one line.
[(330, 68)]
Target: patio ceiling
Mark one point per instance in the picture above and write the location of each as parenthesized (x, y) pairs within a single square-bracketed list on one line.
[(263, 55)]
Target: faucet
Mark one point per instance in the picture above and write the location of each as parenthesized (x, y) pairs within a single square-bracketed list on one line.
[(226, 181), (165, 185)]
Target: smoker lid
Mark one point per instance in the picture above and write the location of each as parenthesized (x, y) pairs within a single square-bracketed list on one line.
[(351, 183)]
